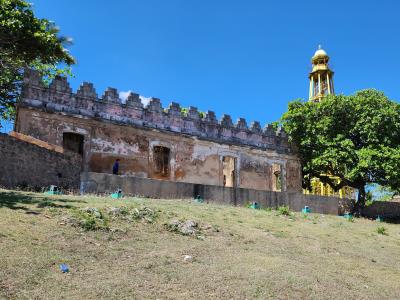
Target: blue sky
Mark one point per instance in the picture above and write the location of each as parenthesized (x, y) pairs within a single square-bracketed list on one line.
[(245, 58)]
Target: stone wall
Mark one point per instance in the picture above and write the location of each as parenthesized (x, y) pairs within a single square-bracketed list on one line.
[(107, 183), (27, 165), (58, 97), (153, 142), (191, 159)]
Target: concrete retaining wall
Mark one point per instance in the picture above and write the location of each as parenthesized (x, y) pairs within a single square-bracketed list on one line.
[(385, 209), (106, 183)]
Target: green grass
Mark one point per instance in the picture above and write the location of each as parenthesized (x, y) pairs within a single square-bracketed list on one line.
[(242, 253), (381, 230)]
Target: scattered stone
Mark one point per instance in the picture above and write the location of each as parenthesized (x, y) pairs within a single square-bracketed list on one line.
[(67, 220), (188, 227), (144, 213), (206, 227), (115, 211), (201, 237), (188, 258)]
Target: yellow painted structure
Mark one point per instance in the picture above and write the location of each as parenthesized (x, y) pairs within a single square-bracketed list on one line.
[(321, 85), (321, 76)]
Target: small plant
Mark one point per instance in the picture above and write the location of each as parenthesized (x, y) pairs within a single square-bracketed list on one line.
[(350, 219), (184, 111), (369, 202), (381, 230), (284, 210), (90, 219), (118, 212), (88, 223)]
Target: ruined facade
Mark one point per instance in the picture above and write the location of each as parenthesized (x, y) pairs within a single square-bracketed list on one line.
[(153, 142)]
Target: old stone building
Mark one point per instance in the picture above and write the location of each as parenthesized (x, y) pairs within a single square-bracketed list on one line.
[(153, 142)]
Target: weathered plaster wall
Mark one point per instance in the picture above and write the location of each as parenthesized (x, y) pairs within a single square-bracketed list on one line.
[(135, 134), (24, 164), (191, 159)]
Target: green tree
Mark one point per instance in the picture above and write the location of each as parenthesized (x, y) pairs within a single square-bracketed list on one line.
[(27, 42), (356, 138)]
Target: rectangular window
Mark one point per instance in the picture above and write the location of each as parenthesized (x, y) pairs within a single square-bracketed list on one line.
[(161, 160), (228, 171), (73, 142)]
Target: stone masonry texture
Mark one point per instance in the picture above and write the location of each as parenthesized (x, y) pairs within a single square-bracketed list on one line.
[(26, 165)]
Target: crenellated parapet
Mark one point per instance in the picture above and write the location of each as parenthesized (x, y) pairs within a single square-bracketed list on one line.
[(58, 97)]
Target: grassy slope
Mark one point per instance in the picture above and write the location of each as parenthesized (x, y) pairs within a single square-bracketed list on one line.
[(255, 254)]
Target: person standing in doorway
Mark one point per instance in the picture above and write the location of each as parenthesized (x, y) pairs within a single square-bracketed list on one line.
[(116, 167)]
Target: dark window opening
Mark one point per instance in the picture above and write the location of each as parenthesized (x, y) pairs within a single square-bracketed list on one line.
[(161, 160), (73, 142)]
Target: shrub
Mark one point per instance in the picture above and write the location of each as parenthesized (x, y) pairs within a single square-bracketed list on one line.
[(89, 223), (90, 219), (381, 230), (284, 210)]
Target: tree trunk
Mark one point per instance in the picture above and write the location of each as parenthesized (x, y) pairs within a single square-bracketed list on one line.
[(360, 201)]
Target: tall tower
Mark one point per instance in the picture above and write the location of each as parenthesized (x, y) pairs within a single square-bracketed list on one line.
[(321, 85), (321, 77)]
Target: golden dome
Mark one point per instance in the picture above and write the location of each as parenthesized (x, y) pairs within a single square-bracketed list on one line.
[(320, 56), (320, 52)]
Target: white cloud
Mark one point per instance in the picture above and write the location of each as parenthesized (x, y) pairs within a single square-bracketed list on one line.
[(124, 95), (144, 100)]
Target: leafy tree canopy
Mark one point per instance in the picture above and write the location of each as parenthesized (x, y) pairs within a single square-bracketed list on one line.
[(356, 138), (27, 42)]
